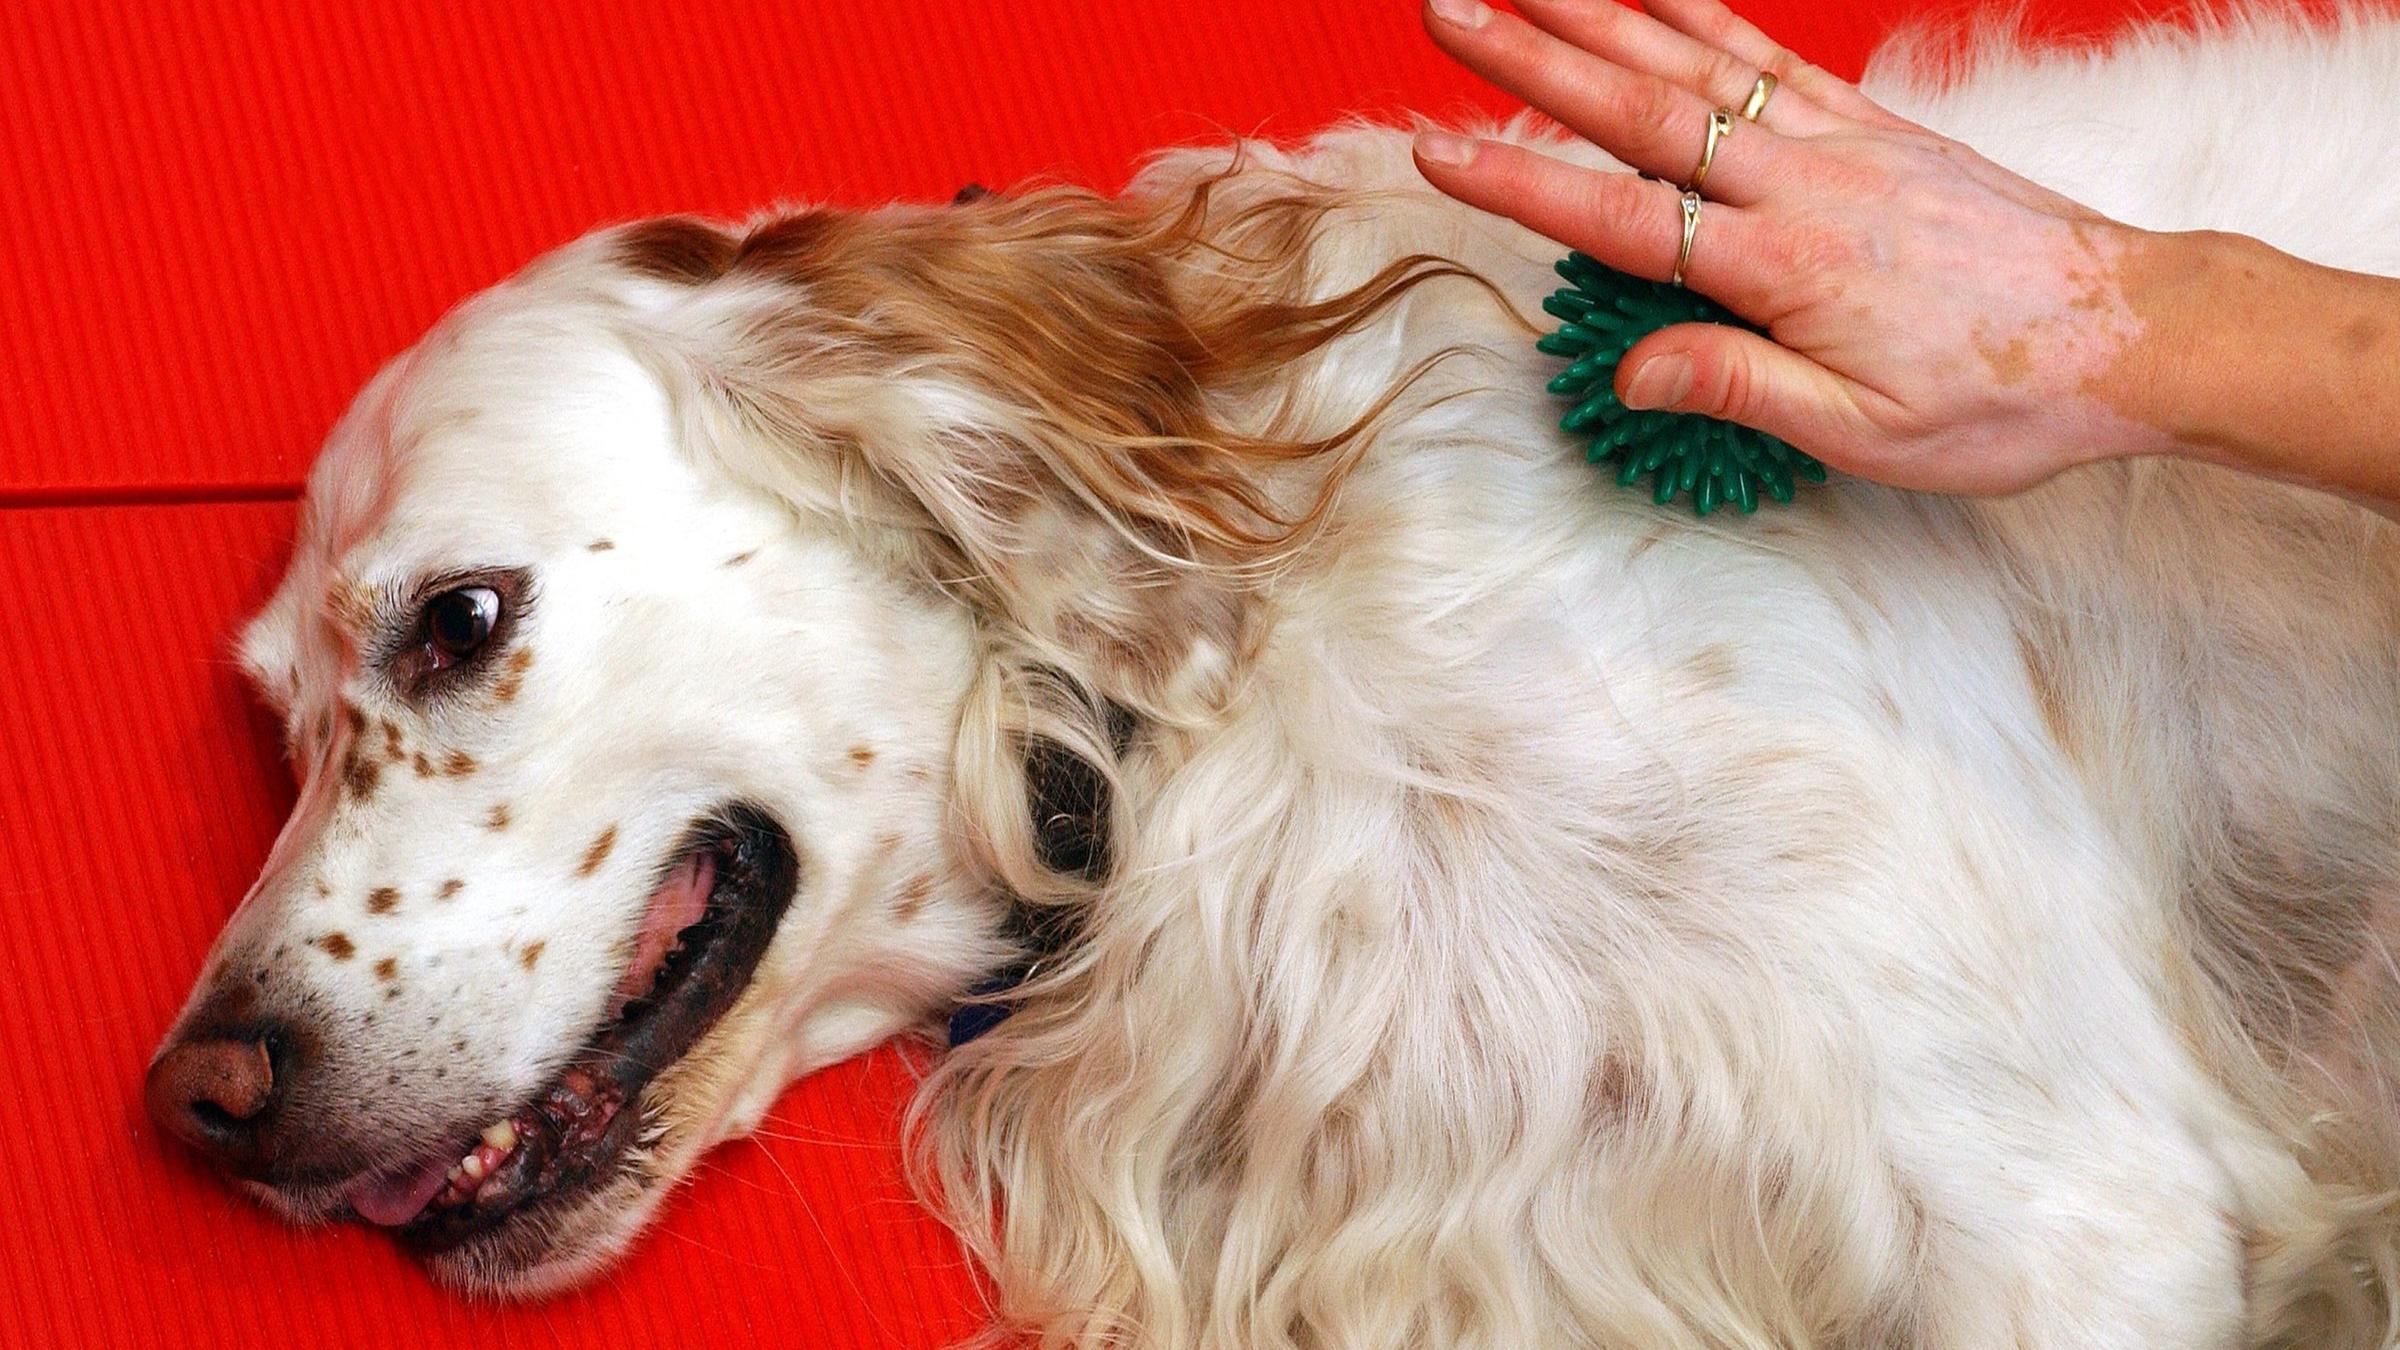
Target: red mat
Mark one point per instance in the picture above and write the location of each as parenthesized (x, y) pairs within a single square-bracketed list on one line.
[(219, 219)]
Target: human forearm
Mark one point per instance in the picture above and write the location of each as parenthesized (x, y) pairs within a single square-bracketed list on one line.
[(2258, 360)]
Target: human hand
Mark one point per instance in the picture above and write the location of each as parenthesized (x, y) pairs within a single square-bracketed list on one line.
[(1938, 321)]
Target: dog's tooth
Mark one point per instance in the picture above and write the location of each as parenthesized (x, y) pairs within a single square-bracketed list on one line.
[(502, 1136), (472, 1165)]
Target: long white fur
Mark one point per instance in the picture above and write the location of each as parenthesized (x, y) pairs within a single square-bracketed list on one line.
[(1566, 922)]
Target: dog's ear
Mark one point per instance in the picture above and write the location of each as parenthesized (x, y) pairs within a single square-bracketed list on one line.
[(1071, 800), (1071, 398)]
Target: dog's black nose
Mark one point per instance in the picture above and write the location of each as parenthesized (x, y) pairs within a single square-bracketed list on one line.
[(217, 1093)]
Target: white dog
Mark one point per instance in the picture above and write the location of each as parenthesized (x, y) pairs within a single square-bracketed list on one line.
[(1474, 906)]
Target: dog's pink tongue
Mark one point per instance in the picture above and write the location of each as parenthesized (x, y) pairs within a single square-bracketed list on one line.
[(677, 904), (393, 1199)]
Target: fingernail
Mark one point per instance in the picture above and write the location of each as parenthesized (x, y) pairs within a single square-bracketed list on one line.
[(1442, 147), (1661, 382), (1464, 13)]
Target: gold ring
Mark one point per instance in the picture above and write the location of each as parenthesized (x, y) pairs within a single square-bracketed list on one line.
[(1720, 126), (1691, 227), (1759, 94)]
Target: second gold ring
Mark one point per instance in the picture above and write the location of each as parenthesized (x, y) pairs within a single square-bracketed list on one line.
[(1691, 230), (1759, 94), (1720, 126)]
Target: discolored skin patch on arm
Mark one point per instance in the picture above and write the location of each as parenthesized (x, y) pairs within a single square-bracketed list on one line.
[(2010, 362)]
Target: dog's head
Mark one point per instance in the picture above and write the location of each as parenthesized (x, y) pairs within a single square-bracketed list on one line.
[(666, 642)]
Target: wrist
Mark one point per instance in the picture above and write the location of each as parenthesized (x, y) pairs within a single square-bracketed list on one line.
[(2249, 357), (2177, 381)]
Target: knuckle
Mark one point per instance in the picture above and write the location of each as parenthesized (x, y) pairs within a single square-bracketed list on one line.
[(1816, 251), (1608, 206), (1646, 103), (1787, 67), (1727, 78)]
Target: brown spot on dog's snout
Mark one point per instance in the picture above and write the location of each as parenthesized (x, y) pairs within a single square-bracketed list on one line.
[(423, 766), (387, 969), (742, 557), (323, 888), (600, 546), (383, 900), (531, 954), (512, 678), (597, 853), (862, 755), (393, 744), (449, 889), (497, 817), (356, 718), (359, 774), (458, 764), (336, 945)]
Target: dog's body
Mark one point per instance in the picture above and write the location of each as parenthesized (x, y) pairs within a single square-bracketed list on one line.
[(1507, 913)]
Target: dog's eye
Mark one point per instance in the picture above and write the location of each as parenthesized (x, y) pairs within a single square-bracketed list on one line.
[(458, 623)]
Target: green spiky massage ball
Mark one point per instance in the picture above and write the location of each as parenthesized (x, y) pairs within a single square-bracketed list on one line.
[(1602, 313)]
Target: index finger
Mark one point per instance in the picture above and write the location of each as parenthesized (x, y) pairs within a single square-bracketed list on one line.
[(1630, 223)]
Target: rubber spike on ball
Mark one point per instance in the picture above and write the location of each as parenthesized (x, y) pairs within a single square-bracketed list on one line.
[(1602, 312)]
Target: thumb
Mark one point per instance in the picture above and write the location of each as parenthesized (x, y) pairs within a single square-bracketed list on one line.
[(1738, 376)]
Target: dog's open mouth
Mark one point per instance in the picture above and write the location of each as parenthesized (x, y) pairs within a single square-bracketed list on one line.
[(709, 919)]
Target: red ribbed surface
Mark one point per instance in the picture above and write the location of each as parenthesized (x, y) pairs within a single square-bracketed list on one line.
[(215, 220)]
